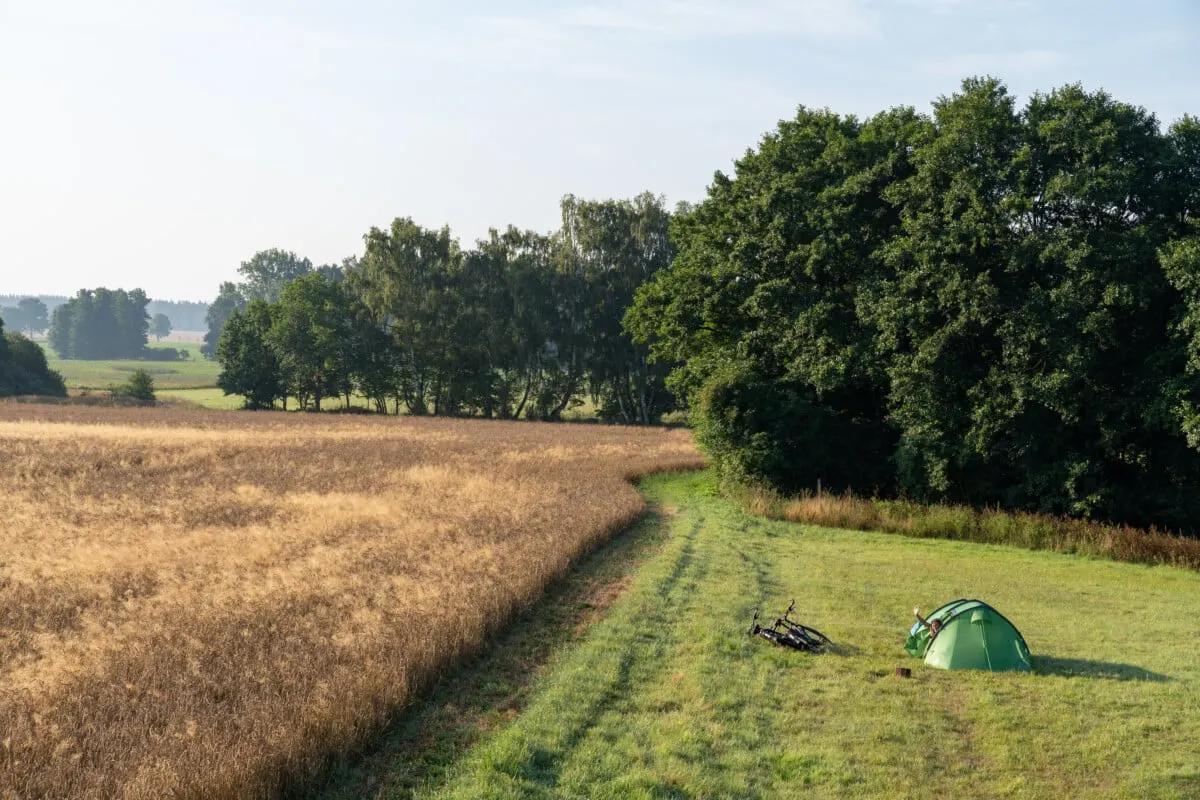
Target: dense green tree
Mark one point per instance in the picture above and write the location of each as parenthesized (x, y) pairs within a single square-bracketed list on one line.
[(991, 305), (763, 302), (309, 332), (101, 323), (264, 277), (249, 365), (160, 326), (615, 246), (229, 299), (267, 272), (28, 315), (403, 279), (35, 317), (23, 368)]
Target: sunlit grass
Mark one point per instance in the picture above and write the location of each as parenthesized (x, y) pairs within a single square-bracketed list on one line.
[(669, 698), (196, 371)]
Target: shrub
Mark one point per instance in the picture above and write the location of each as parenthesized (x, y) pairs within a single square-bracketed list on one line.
[(139, 388)]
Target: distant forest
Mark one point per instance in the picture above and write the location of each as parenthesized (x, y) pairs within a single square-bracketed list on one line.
[(185, 315)]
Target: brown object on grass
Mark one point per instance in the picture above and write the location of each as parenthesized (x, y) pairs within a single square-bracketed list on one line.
[(903, 672)]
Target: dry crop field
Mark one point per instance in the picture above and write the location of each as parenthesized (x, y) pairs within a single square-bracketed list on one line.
[(211, 605)]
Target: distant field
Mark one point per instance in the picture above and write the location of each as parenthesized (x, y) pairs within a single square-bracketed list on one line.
[(196, 372), (206, 397), (207, 605), (188, 337)]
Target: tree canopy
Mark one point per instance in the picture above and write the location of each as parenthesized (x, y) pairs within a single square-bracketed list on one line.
[(29, 315), (991, 305), (521, 325), (23, 368), (101, 323)]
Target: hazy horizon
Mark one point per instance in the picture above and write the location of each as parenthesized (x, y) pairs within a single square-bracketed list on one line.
[(159, 145)]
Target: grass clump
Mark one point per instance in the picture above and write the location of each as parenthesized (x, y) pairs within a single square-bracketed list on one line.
[(986, 525)]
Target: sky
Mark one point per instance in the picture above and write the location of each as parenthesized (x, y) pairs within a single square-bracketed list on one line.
[(159, 144)]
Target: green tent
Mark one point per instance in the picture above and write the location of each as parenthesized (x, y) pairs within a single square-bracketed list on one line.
[(973, 636)]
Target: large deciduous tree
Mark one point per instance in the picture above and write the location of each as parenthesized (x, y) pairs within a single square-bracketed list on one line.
[(249, 365), (309, 333), (988, 305)]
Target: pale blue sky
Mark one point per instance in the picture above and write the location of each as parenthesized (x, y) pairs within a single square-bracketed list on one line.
[(157, 144)]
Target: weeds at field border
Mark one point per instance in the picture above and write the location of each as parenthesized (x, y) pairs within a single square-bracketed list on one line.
[(985, 526)]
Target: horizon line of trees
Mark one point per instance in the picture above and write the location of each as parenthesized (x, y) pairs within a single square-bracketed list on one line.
[(522, 325), (989, 305), (184, 315), (107, 324), (29, 315)]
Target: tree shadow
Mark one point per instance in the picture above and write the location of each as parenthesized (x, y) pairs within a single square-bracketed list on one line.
[(1087, 668)]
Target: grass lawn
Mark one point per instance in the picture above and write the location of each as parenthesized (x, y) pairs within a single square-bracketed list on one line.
[(196, 372), (666, 697), (207, 397)]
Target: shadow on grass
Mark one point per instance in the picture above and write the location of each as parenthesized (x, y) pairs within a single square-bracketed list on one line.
[(1086, 668), (421, 747)]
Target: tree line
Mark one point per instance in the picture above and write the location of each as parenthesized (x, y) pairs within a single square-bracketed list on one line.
[(108, 323), (32, 314), (29, 315), (994, 304), (523, 325)]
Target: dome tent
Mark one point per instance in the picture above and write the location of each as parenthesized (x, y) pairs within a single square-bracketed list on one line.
[(973, 635)]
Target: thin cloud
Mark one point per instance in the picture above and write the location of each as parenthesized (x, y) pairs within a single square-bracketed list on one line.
[(689, 19)]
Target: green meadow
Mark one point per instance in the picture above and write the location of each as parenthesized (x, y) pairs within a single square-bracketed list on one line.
[(663, 695), (192, 373)]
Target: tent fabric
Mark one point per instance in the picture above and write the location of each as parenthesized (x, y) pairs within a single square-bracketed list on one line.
[(973, 636)]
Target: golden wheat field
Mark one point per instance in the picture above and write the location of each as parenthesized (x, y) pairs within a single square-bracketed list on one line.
[(212, 605)]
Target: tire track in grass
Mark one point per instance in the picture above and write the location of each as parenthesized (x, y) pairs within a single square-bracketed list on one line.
[(483, 695), (595, 682)]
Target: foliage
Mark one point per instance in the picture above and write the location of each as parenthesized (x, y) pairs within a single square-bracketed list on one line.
[(229, 299), (139, 388), (613, 247), (992, 306), (521, 325), (23, 368), (249, 366), (101, 323), (160, 326), (310, 337), (29, 315)]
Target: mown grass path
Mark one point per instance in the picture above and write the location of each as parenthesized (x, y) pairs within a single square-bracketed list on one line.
[(666, 697)]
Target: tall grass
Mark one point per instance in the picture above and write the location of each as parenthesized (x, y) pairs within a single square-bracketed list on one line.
[(988, 525), (205, 605)]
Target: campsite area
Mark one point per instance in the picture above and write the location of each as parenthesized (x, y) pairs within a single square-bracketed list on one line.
[(666, 696)]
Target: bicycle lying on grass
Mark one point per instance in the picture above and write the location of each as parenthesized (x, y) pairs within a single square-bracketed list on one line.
[(789, 633)]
